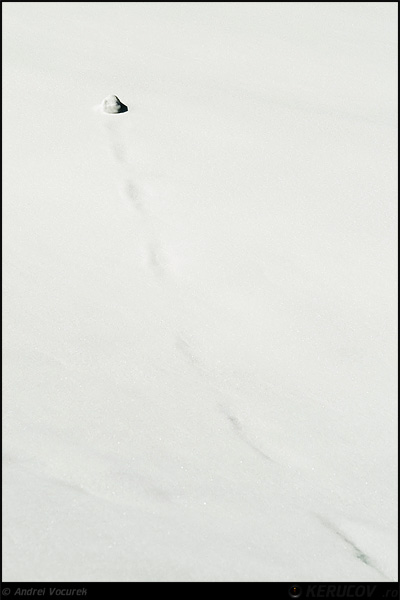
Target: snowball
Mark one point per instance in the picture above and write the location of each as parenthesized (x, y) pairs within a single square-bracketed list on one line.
[(112, 104)]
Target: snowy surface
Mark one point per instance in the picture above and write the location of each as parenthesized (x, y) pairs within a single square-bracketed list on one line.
[(199, 322)]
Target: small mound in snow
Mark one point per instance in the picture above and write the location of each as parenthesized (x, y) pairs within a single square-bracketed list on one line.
[(113, 105)]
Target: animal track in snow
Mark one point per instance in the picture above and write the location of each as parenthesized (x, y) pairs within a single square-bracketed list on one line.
[(188, 353), (157, 259), (119, 152), (244, 435), (132, 194)]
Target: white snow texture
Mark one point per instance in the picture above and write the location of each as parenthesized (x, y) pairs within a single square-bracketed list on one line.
[(200, 296)]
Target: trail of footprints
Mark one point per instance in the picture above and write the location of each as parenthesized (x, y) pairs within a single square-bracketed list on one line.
[(154, 257)]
